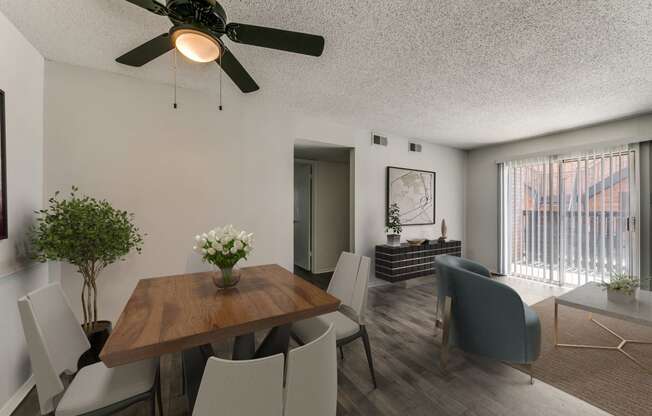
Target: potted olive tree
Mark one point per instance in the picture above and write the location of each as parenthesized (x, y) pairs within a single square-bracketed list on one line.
[(393, 227), (90, 235)]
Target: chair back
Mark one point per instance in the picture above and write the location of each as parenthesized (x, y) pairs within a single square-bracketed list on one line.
[(55, 340), (488, 316), (311, 377), (243, 388), (444, 277), (349, 284)]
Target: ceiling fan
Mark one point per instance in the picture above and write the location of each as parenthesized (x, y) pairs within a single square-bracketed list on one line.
[(197, 29)]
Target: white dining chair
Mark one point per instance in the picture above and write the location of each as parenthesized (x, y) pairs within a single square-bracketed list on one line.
[(241, 387), (55, 341), (311, 377), (349, 284)]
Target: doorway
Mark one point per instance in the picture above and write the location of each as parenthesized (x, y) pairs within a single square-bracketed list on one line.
[(323, 207)]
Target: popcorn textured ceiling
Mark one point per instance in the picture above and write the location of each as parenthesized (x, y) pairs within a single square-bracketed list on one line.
[(462, 73)]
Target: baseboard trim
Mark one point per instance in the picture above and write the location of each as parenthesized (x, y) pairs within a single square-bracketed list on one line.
[(18, 397), (417, 281), (324, 270)]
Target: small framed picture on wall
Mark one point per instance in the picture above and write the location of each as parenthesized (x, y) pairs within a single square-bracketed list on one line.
[(3, 169)]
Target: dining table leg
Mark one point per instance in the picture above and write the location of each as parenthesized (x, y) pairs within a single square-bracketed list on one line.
[(194, 362), (244, 347), (277, 341)]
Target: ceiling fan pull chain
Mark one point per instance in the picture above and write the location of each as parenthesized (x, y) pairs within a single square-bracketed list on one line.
[(221, 80), (175, 79)]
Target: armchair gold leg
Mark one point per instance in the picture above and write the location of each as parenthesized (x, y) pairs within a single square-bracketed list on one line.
[(445, 337), (528, 368), (556, 322)]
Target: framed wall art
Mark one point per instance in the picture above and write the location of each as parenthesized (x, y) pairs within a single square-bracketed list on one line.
[(414, 192)]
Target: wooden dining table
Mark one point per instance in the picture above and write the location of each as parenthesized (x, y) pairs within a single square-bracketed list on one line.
[(187, 312)]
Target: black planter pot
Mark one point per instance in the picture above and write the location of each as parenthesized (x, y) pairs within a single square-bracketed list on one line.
[(97, 337)]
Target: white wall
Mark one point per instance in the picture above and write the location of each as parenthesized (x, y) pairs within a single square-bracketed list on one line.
[(21, 77), (371, 164), (183, 171), (482, 174), (330, 189), (180, 171)]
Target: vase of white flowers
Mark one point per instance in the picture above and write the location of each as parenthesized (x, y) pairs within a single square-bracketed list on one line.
[(223, 248)]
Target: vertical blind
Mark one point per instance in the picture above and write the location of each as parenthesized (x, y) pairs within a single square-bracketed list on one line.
[(569, 220)]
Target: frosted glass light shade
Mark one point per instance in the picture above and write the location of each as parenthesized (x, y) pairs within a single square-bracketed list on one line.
[(195, 45)]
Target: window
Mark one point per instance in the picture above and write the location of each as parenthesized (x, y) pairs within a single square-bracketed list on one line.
[(570, 220)]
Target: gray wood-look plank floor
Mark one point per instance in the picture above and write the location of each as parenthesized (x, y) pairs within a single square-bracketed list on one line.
[(410, 382)]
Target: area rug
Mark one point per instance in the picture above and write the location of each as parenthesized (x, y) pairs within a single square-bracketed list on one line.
[(606, 379)]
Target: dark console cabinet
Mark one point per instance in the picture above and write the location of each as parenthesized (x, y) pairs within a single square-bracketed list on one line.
[(397, 263)]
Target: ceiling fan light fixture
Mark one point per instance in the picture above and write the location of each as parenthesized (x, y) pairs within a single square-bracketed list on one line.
[(196, 45), (198, 27)]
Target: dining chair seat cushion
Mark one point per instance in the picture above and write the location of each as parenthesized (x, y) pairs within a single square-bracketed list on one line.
[(310, 329), (97, 386)]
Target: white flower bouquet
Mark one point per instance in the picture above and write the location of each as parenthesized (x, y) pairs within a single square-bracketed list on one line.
[(223, 248)]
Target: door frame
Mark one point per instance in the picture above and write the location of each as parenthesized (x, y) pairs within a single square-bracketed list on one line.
[(311, 198), (635, 211), (352, 198)]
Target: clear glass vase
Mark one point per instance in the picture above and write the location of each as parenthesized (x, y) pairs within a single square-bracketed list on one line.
[(226, 277)]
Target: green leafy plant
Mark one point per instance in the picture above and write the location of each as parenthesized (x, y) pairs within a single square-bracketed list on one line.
[(87, 233), (394, 219), (622, 283)]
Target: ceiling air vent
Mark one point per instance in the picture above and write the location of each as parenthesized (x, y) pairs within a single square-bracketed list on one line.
[(415, 147), (379, 140)]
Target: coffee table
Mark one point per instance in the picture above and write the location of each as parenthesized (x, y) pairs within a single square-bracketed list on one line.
[(593, 299)]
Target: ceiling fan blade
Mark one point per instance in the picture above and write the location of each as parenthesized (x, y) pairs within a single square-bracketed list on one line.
[(151, 5), (236, 72), (147, 51), (284, 40)]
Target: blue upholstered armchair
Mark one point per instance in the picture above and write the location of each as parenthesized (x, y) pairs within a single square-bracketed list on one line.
[(483, 316)]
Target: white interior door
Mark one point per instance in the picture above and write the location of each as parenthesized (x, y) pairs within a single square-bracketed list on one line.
[(302, 214)]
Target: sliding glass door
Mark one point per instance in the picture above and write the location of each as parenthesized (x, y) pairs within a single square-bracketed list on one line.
[(570, 220)]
